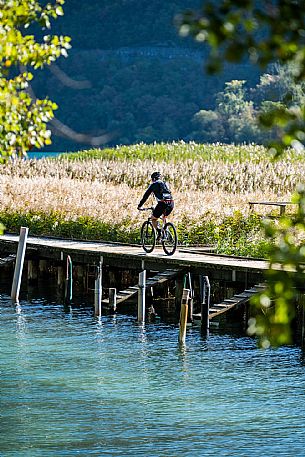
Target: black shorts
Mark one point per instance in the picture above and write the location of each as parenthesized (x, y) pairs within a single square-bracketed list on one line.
[(163, 208)]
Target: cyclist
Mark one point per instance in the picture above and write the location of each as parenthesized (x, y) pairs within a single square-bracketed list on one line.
[(165, 202)]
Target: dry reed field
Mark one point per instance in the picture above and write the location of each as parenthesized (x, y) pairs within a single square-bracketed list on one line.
[(109, 190), (94, 194)]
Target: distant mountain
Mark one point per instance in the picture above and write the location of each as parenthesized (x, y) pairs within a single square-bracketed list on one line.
[(112, 24), (143, 81)]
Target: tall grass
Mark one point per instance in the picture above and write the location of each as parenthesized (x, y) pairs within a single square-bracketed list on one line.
[(279, 178), (98, 197)]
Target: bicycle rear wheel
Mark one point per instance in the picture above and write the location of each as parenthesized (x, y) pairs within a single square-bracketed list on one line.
[(170, 239), (148, 236)]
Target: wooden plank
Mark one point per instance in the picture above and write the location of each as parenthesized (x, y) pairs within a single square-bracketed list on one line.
[(122, 255), (7, 260), (128, 293), (229, 303)]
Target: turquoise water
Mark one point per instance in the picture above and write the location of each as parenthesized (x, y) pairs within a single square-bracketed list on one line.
[(40, 155), (74, 385)]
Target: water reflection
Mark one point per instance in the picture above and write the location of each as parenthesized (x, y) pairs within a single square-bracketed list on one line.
[(72, 384)]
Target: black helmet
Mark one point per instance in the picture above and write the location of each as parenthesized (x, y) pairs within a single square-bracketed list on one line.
[(156, 175)]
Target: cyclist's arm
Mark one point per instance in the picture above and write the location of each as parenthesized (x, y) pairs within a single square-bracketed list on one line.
[(145, 196)]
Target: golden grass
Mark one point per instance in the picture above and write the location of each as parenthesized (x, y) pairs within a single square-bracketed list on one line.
[(117, 202), (278, 179)]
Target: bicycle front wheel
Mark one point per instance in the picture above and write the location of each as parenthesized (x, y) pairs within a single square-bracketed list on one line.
[(170, 239), (148, 236)]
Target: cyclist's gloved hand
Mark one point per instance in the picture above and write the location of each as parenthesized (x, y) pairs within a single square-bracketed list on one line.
[(139, 206)]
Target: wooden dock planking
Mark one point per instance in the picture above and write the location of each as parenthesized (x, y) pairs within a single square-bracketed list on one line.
[(160, 278), (130, 256), (7, 260), (230, 303)]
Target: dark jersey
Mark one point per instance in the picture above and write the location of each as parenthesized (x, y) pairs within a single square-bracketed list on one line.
[(160, 190)]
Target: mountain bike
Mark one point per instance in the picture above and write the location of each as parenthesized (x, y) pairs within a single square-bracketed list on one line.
[(168, 234)]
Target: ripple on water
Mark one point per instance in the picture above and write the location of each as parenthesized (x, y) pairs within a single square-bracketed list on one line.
[(72, 384)]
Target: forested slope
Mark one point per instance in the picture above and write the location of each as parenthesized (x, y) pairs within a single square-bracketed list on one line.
[(146, 82)]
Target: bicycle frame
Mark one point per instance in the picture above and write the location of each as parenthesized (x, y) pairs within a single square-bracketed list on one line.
[(168, 236)]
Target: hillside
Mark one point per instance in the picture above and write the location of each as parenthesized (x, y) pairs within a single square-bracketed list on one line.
[(145, 83)]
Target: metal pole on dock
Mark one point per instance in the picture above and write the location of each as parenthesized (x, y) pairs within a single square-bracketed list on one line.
[(141, 296), (183, 315), (98, 289), (205, 296), (112, 298), (19, 263)]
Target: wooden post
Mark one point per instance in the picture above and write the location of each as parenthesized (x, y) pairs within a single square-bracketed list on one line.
[(60, 276), (32, 271), (98, 289), (191, 299), (19, 263), (112, 298), (69, 281), (43, 266), (178, 292), (183, 315), (205, 294), (141, 296)]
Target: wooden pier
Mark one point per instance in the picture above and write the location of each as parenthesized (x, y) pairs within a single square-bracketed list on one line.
[(133, 257), (240, 273)]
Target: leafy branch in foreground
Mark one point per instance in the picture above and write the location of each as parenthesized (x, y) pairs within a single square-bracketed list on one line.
[(236, 30), (23, 120), (266, 34), (275, 305)]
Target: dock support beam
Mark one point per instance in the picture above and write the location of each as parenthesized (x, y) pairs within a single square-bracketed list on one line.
[(191, 297), (69, 281), (32, 271), (112, 299), (98, 289), (19, 263), (205, 296), (60, 276), (141, 296), (178, 291), (183, 315)]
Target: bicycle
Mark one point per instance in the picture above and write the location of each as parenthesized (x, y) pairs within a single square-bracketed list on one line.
[(169, 239)]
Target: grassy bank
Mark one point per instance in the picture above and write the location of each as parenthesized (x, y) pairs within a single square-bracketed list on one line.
[(95, 195)]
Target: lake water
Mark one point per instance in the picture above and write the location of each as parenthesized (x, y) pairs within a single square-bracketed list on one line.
[(75, 385), (40, 155)]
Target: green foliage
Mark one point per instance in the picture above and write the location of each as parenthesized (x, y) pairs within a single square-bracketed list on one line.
[(176, 152), (235, 30), (236, 235), (57, 224), (112, 24), (22, 119), (275, 306)]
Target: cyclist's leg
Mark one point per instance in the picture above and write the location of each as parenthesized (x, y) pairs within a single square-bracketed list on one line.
[(157, 212), (168, 208)]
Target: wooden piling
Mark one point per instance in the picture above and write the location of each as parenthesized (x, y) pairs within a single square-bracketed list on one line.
[(19, 263), (98, 289), (32, 271), (43, 266), (183, 315), (205, 294), (112, 298), (141, 296), (178, 292), (191, 298), (60, 276), (69, 281)]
